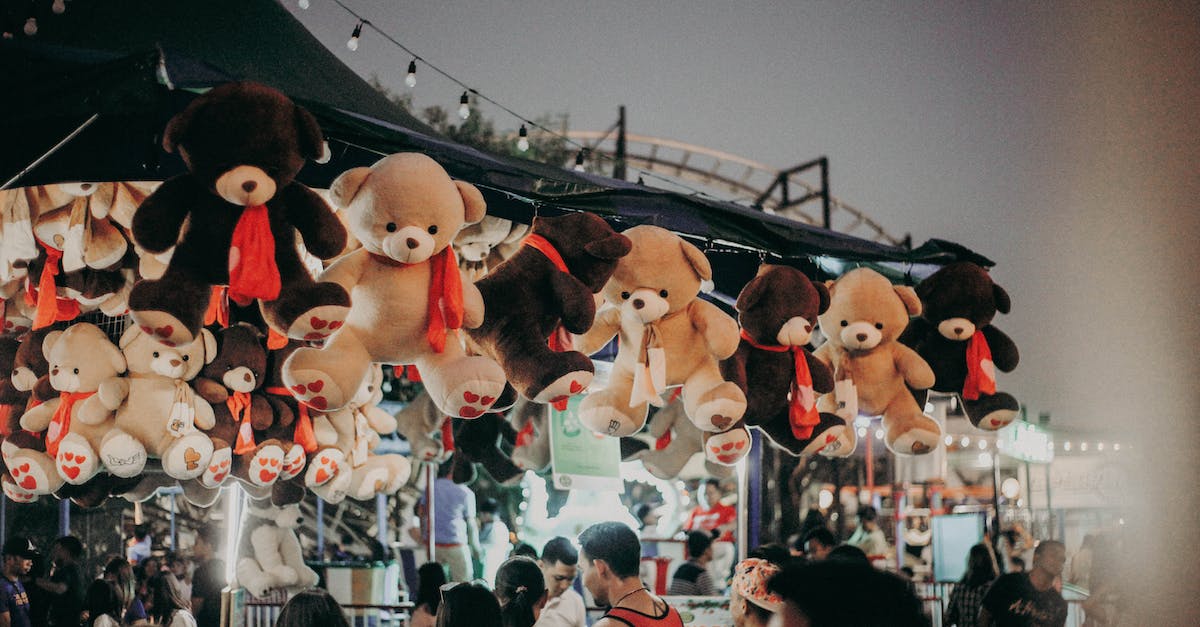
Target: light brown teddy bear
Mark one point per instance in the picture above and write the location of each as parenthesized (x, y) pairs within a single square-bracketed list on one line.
[(409, 298), (157, 407), (77, 423), (668, 337), (865, 318), (676, 442)]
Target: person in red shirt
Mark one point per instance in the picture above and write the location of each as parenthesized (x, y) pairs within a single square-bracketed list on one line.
[(711, 514)]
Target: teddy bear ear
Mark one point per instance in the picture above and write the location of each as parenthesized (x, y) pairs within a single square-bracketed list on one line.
[(178, 126), (697, 259), (312, 143), (822, 296), (908, 296), (751, 294), (210, 345), (345, 187), (473, 203), (115, 357), (610, 248), (48, 342), (1003, 304), (131, 333)]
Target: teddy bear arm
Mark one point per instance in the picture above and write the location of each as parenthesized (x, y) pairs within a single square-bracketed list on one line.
[(205, 418), (93, 411), (472, 302), (575, 299), (381, 421), (210, 390), (605, 327), (720, 331), (348, 270), (262, 415), (157, 222), (265, 541), (822, 376), (1004, 350), (113, 392), (916, 371), (38, 418), (284, 416), (917, 334), (324, 235), (734, 368)]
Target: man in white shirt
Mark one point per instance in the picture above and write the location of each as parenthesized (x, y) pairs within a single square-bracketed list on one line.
[(868, 536), (559, 564)]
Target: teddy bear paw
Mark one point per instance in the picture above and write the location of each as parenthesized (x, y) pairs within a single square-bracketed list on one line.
[(285, 575), (369, 483), (318, 323), (915, 442), (473, 399), (29, 476), (16, 493), (123, 455), (839, 441), (995, 419), (608, 421), (565, 386), (315, 389), (728, 448), (217, 469), (293, 462), (334, 492), (265, 465), (76, 461), (325, 465), (718, 414), (189, 456), (163, 327)]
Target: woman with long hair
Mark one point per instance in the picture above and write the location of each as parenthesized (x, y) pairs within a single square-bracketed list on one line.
[(468, 604), (521, 590), (312, 607), (102, 604), (166, 606), (120, 573), (431, 576), (963, 606)]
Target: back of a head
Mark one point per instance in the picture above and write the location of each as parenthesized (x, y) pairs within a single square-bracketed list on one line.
[(488, 505), (72, 545), (431, 576), (614, 543), (697, 543), (981, 566), (103, 598), (773, 552), (519, 587), (524, 548), (849, 554), (821, 535), (468, 604), (832, 594), (867, 514), (312, 607), (559, 550)]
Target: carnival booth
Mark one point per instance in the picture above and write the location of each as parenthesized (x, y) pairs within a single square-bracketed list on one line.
[(169, 330)]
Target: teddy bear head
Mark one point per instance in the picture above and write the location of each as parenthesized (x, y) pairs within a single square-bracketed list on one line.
[(866, 310), (780, 306), (8, 357), (244, 140), (81, 358), (475, 242), (144, 355), (29, 364), (961, 298), (660, 275), (406, 207), (241, 360), (588, 245), (286, 517)]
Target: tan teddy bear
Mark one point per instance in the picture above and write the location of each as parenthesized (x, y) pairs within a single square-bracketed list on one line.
[(409, 297), (668, 337), (865, 318)]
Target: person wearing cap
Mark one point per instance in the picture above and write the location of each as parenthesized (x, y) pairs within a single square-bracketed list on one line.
[(19, 554), (750, 603)]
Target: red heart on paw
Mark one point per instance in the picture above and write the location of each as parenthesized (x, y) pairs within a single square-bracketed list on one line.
[(576, 387), (299, 389), (71, 471), (314, 336), (721, 422), (316, 386), (830, 438), (274, 463), (322, 476), (147, 330), (24, 468), (715, 450), (469, 412), (559, 403), (266, 476), (741, 444), (225, 464), (470, 397), (164, 331), (219, 478), (81, 458), (263, 461), (335, 324), (996, 422), (487, 400), (727, 459), (333, 467), (324, 460), (29, 483), (214, 468), (69, 457), (317, 323), (319, 402), (726, 446)]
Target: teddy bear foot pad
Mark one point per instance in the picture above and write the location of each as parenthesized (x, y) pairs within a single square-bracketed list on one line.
[(564, 386), (318, 323), (163, 327)]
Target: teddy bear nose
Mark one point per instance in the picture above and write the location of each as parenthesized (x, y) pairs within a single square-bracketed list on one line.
[(54, 372), (249, 186), (958, 330), (638, 303), (247, 377), (862, 337), (175, 363), (412, 242)]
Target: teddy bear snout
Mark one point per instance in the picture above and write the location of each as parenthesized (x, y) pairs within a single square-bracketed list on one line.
[(240, 379), (245, 185), (646, 305), (409, 245), (23, 379), (861, 336), (795, 332), (956, 329)]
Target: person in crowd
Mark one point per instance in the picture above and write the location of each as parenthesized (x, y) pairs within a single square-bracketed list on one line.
[(818, 543), (1012, 544), (1016, 565), (813, 520), (208, 578), (609, 560), (40, 599), (773, 552), (18, 556), (178, 575), (468, 604), (521, 590), (102, 604), (312, 607), (834, 593), (139, 546), (456, 530), (868, 536), (120, 573), (560, 566), (431, 576), (795, 545), (66, 582), (967, 597), (494, 544), (1081, 562), (692, 578), (750, 603), (849, 554), (524, 548), (167, 608), (1029, 598), (711, 514)]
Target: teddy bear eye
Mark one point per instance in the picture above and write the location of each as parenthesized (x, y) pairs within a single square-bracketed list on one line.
[(879, 325), (187, 357), (432, 229), (662, 293), (155, 355), (845, 324), (624, 295), (76, 370), (391, 227)]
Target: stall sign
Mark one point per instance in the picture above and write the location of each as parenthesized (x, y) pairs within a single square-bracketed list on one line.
[(702, 611), (1026, 442), (579, 458)]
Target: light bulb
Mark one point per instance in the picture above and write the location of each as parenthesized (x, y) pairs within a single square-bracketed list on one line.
[(1066, 446), (58, 6), (410, 79), (964, 442), (523, 139), (879, 434), (464, 106), (1083, 446), (352, 44), (31, 26), (1116, 446), (949, 440), (983, 444), (303, 4), (862, 432)]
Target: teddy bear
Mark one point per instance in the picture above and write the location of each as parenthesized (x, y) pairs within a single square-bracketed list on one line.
[(293, 428), (270, 555), (410, 298), (668, 337), (531, 445), (777, 311), (865, 318), (233, 218), (954, 333), (482, 246), (479, 442), (19, 209), (545, 292), (420, 422), (16, 316), (676, 442), (157, 407), (61, 292)]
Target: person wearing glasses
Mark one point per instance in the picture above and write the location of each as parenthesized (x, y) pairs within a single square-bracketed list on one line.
[(560, 566), (610, 558)]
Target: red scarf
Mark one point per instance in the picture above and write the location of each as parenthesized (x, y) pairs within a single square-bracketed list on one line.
[(5, 414), (218, 307), (239, 407), (525, 435), (980, 379), (60, 424), (560, 339), (447, 434), (304, 434), (802, 406), (663, 442), (252, 270), (49, 307), (445, 299)]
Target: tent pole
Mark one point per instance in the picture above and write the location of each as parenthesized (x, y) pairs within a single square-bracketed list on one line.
[(59, 145), (320, 528)]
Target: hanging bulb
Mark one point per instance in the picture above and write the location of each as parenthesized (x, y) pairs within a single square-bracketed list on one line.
[(31, 26), (464, 106), (410, 79), (303, 4), (352, 44), (578, 161), (59, 7), (523, 139)]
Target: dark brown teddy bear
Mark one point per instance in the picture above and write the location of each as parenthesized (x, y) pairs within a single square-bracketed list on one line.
[(777, 311), (954, 333), (546, 287), (233, 218)]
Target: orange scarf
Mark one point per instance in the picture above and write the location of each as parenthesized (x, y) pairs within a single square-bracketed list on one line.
[(60, 424), (239, 407), (560, 338), (663, 442), (446, 306), (304, 434), (252, 269), (5, 414), (802, 399), (49, 307), (981, 373), (525, 435), (218, 307), (447, 434)]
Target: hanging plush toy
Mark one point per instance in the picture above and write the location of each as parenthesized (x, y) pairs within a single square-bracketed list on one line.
[(778, 311), (421, 422), (479, 442), (954, 333), (293, 428), (668, 337), (676, 442), (531, 445), (269, 552), (544, 292), (865, 318), (482, 246), (233, 218), (410, 299)]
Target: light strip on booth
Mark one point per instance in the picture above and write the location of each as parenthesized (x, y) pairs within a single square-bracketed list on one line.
[(233, 518)]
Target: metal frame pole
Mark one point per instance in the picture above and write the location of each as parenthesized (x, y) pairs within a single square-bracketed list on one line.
[(321, 528), (64, 517), (174, 538), (381, 520), (430, 477), (754, 467)]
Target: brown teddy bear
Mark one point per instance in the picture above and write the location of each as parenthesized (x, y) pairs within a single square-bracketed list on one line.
[(778, 311), (668, 337), (531, 446), (544, 291), (409, 295), (865, 318), (954, 333), (233, 218)]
